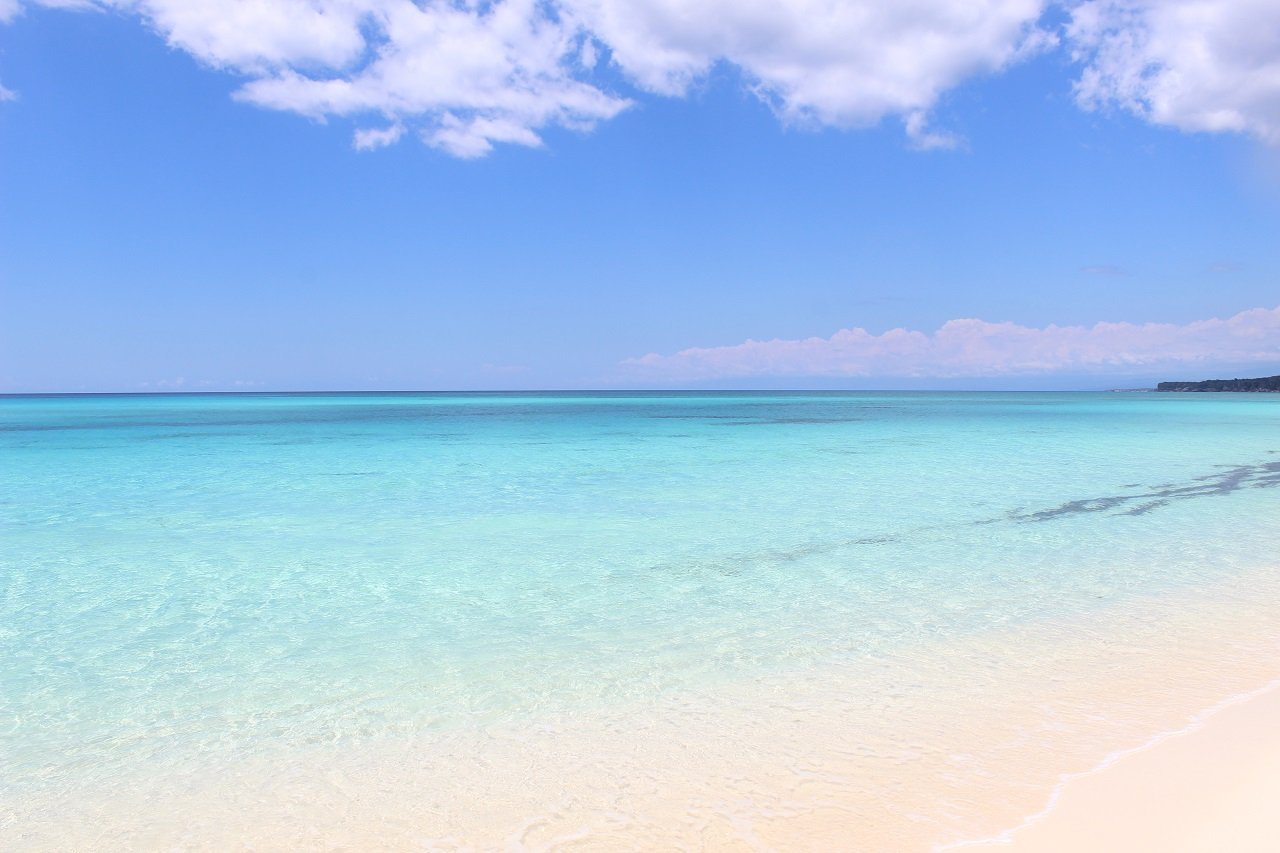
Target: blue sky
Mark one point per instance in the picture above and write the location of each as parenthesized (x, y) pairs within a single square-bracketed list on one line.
[(190, 205)]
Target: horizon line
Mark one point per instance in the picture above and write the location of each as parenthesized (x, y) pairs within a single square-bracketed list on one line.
[(512, 391)]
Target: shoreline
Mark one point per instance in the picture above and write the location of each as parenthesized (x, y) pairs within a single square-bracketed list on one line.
[(367, 798), (824, 757), (1203, 787)]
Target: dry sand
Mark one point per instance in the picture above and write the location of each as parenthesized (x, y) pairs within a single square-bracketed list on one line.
[(1213, 787)]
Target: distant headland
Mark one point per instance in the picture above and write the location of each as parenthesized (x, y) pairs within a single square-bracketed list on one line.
[(1266, 383)]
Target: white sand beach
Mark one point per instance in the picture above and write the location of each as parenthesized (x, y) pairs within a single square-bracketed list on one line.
[(1212, 787)]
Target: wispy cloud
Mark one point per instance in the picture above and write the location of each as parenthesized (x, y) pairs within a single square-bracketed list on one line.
[(377, 137), (970, 347), (922, 138), (181, 383), (1110, 270), (175, 384), (503, 369), (9, 10)]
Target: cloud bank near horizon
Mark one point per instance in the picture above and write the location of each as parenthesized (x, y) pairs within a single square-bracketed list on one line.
[(464, 75), (977, 348)]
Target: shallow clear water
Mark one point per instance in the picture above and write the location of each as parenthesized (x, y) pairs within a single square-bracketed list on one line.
[(189, 579)]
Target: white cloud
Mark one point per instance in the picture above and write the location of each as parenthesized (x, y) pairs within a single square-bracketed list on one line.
[(378, 137), (469, 77), (589, 55), (473, 137), (467, 74), (922, 138), (1191, 64), (72, 5), (464, 75), (7, 94), (836, 62), (256, 37), (978, 348)]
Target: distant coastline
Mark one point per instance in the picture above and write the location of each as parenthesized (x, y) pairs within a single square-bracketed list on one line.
[(1266, 383)]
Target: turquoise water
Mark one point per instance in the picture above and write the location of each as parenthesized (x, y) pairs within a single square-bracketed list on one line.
[(185, 579)]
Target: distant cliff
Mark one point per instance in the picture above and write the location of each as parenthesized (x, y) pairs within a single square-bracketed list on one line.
[(1267, 383)]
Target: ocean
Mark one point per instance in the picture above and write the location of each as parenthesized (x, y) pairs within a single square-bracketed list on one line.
[(612, 620)]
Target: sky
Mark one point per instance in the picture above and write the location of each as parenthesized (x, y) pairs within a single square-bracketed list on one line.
[(382, 194)]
